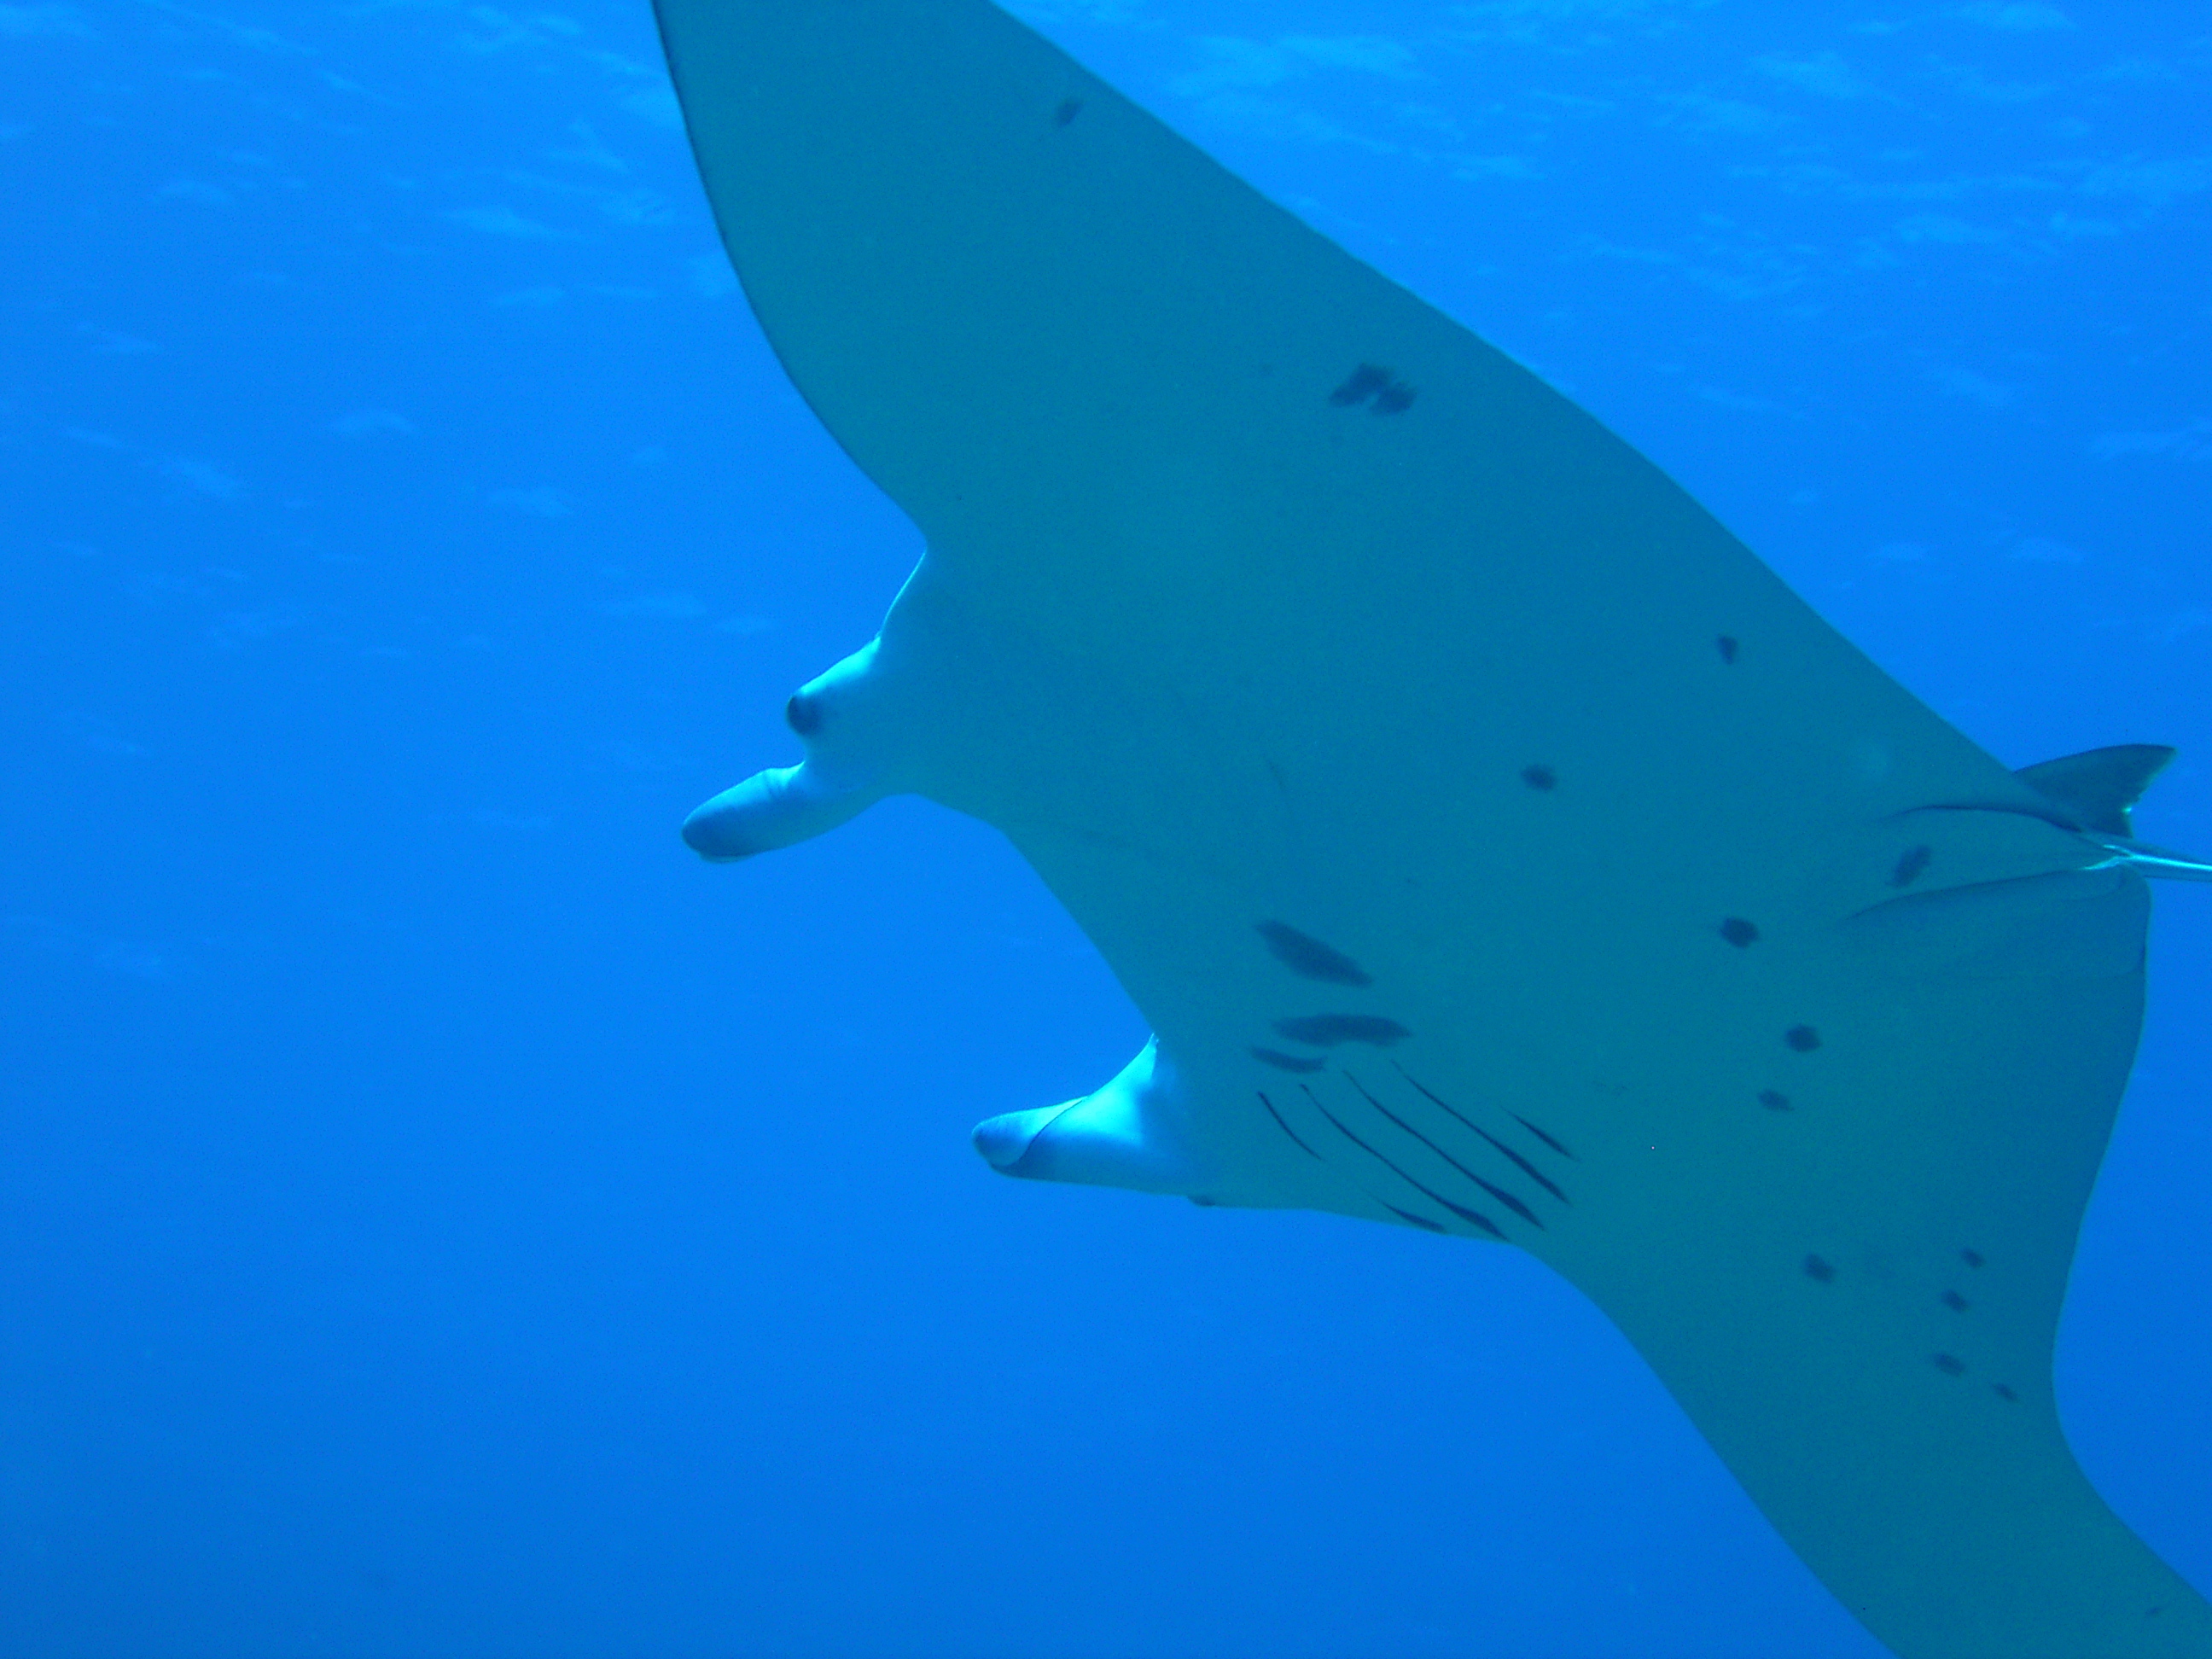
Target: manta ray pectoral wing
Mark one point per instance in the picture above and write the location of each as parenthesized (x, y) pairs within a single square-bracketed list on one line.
[(1887, 1252)]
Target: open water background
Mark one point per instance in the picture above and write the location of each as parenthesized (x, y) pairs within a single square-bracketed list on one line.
[(440, 1216)]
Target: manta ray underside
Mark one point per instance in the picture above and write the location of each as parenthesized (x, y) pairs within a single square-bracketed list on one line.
[(1495, 846)]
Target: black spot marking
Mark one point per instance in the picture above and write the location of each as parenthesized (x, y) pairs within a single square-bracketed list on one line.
[(1955, 1303), (1068, 110), (803, 714), (1972, 1258), (1774, 1100), (1365, 382), (2005, 1393), (1817, 1268), (1804, 1038), (1739, 932), (1326, 1031), (1287, 1130), (1286, 1062), (1498, 1193), (1540, 777), (1474, 1217), (1556, 1146), (1203, 1201), (1726, 644), (1304, 955), (1523, 1163), (1910, 863), (1375, 385), (1949, 1364)]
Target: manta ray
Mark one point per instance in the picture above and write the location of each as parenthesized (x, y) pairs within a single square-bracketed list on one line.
[(1495, 847)]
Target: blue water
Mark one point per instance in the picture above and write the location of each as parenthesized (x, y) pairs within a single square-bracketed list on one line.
[(438, 1215)]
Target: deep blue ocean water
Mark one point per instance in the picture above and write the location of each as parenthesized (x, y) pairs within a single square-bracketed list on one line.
[(438, 1215)]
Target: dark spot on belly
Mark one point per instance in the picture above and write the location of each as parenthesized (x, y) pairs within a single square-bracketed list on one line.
[(1540, 777), (1816, 1268), (1364, 383), (1949, 1364), (1972, 1258), (1375, 385), (1910, 863), (803, 714), (1739, 932), (1068, 110), (1726, 644), (1954, 1301), (1326, 1031), (1304, 955), (2003, 1392), (1774, 1100), (1804, 1038), (1285, 1063)]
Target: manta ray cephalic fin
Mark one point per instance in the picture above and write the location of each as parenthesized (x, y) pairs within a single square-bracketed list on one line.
[(1122, 1135)]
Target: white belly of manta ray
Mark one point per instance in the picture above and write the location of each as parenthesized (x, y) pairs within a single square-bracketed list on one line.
[(1189, 473)]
